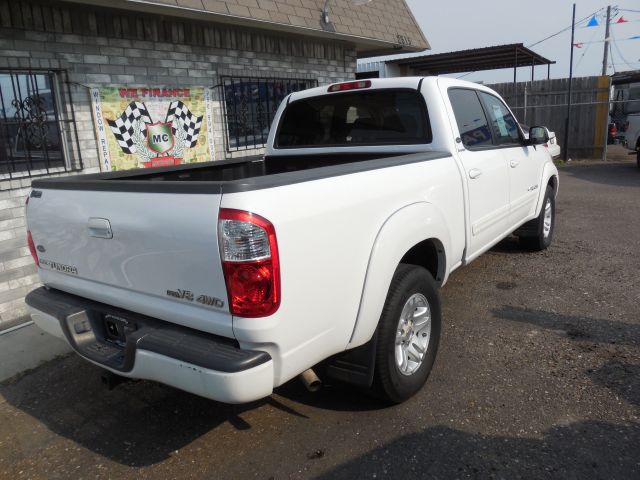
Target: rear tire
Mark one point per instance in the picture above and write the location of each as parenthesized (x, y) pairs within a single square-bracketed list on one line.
[(408, 334), (543, 226)]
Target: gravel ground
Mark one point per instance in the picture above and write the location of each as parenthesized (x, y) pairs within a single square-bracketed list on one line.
[(538, 375)]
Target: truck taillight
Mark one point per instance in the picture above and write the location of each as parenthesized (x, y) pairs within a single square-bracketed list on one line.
[(346, 86), (249, 253), (32, 248)]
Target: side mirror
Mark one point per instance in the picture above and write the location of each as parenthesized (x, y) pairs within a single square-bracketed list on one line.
[(538, 135)]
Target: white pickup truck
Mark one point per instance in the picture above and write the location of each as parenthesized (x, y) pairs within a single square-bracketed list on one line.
[(229, 278)]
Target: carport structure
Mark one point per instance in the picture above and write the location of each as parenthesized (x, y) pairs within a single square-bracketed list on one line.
[(513, 55)]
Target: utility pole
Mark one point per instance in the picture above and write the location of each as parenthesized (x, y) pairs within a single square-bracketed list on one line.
[(605, 57), (567, 122)]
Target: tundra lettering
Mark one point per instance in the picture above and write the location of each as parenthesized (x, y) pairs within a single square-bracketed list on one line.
[(59, 266)]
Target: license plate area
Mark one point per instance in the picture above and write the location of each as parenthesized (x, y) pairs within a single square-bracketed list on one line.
[(87, 334), (116, 329)]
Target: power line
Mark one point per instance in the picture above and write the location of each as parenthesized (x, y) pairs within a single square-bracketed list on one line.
[(615, 43), (602, 41), (563, 30), (589, 43), (613, 64)]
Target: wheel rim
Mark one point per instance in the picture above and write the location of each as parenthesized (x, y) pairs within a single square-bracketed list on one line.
[(548, 219), (413, 334)]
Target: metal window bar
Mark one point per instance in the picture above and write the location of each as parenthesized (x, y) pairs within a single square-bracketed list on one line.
[(23, 128), (32, 125), (249, 105), (74, 125), (35, 93)]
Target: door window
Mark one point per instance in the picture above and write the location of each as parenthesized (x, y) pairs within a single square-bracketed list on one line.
[(472, 122), (504, 125)]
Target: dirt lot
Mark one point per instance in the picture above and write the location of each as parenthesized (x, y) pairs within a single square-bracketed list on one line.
[(538, 375)]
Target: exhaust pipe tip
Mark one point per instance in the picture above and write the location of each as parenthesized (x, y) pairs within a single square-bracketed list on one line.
[(310, 380)]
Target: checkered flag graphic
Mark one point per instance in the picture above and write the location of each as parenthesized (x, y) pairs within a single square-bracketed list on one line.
[(178, 116), (123, 127)]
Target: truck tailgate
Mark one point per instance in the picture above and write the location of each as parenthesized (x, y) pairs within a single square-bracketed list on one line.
[(153, 253)]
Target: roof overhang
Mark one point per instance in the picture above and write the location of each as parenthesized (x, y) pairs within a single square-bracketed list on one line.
[(365, 46), (623, 78)]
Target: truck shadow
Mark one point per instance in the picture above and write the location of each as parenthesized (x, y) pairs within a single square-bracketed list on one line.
[(137, 424), (578, 450), (332, 396), (142, 423), (509, 244)]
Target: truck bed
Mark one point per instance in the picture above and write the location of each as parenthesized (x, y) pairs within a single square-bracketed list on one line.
[(248, 173)]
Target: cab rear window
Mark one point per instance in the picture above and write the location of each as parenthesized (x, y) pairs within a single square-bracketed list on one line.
[(363, 118)]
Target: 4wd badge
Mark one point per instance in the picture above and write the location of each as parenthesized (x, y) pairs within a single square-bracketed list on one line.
[(190, 296), (159, 137)]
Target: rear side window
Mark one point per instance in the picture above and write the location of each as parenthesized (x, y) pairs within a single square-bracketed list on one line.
[(378, 117), (505, 127), (472, 122)]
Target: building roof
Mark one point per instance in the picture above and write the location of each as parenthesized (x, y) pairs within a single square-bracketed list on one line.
[(487, 58), (378, 27), (623, 78)]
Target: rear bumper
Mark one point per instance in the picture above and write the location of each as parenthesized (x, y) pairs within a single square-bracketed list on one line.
[(200, 363)]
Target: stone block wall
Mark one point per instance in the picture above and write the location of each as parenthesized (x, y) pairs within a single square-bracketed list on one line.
[(17, 269)]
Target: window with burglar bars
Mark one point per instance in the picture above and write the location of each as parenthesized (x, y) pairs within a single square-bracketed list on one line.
[(250, 104), (32, 139)]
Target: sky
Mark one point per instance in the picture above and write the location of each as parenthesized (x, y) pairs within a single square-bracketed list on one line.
[(469, 24)]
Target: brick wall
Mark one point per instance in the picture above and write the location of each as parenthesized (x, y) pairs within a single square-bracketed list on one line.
[(113, 57)]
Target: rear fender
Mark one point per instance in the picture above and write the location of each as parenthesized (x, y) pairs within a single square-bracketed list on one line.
[(403, 230), (550, 171)]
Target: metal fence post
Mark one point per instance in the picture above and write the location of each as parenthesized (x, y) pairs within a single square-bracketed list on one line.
[(568, 121)]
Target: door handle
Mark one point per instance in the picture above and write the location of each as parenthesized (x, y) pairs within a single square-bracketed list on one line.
[(514, 163), (475, 173)]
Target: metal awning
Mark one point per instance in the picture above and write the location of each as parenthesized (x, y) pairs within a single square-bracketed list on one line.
[(623, 78), (488, 58)]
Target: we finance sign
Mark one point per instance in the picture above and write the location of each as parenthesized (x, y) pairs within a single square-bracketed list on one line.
[(153, 126)]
